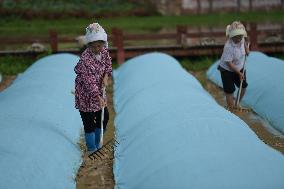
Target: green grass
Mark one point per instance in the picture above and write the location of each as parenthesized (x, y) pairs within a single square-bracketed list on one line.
[(115, 65), (76, 26), (280, 56), (197, 64), (198, 67), (65, 6), (14, 65), (15, 26)]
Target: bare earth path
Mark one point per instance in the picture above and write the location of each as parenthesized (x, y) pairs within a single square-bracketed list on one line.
[(97, 173), (6, 81)]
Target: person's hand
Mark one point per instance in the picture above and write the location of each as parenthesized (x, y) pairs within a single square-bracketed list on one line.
[(241, 76), (105, 81), (247, 45), (102, 102)]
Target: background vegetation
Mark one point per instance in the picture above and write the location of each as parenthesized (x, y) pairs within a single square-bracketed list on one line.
[(13, 25), (10, 65), (78, 8), (32, 18)]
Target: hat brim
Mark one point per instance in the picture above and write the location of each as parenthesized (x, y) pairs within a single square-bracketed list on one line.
[(236, 32)]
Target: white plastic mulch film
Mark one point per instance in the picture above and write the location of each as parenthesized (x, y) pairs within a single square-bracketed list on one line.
[(40, 128), (172, 134), (265, 87)]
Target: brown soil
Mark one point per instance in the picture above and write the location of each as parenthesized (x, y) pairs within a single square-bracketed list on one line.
[(6, 81), (95, 173), (98, 173)]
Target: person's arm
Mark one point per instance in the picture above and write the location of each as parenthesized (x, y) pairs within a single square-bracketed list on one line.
[(108, 71), (105, 80), (80, 68), (233, 67), (247, 45), (102, 102)]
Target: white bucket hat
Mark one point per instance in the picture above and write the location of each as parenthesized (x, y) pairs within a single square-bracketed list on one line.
[(95, 32), (236, 28)]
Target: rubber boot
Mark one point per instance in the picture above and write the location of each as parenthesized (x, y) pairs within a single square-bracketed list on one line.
[(90, 139), (98, 137)]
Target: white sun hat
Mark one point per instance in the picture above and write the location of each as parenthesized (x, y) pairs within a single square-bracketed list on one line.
[(236, 28), (95, 32), (227, 30)]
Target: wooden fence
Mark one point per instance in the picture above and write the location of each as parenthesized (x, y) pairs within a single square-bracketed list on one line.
[(210, 6), (185, 41)]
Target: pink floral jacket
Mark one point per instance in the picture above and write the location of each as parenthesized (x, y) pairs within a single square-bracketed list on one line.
[(90, 72)]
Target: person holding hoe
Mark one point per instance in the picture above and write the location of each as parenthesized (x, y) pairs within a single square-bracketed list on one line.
[(93, 70), (232, 62)]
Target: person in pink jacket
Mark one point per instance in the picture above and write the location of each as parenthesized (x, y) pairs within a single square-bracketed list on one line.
[(93, 70)]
